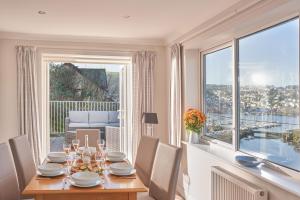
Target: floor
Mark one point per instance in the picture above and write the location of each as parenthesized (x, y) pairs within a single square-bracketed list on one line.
[(56, 143)]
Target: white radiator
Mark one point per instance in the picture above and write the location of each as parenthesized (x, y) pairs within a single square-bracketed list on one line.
[(227, 186)]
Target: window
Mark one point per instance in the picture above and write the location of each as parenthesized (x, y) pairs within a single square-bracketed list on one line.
[(269, 94), (218, 94), (266, 100)]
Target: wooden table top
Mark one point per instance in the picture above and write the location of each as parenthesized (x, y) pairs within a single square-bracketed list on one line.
[(58, 185)]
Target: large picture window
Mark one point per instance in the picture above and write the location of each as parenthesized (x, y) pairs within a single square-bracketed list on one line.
[(218, 94), (269, 94), (266, 98)]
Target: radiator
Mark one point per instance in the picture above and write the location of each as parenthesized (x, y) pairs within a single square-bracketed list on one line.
[(228, 186)]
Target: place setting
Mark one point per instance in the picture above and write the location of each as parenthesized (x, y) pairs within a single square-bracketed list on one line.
[(50, 170), (123, 170), (85, 179)]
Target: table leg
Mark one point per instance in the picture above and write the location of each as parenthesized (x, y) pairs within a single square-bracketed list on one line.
[(38, 197), (132, 196)]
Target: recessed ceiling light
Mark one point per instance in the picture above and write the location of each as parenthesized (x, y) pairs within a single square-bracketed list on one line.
[(41, 12), (126, 16)]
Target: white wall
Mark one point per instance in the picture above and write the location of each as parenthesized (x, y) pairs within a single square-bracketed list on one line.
[(199, 169), (8, 91), (197, 163), (8, 78)]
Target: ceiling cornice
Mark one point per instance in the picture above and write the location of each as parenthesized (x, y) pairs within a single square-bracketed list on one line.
[(81, 39), (232, 12)]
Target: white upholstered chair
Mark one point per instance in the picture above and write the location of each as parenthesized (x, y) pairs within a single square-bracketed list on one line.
[(23, 158), (94, 135), (9, 188), (164, 175), (145, 158)]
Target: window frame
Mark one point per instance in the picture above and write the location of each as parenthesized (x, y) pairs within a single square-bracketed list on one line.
[(234, 44), (229, 44)]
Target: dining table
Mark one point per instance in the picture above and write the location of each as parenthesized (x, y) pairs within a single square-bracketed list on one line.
[(59, 188)]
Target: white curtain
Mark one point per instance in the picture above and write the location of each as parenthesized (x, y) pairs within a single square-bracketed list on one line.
[(28, 112), (126, 111), (176, 96), (143, 64)]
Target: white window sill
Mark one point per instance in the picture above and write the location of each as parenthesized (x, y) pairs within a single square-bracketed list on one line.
[(265, 173)]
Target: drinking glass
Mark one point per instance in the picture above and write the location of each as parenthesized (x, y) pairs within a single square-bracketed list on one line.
[(101, 144), (70, 160), (67, 148), (75, 144), (103, 158)]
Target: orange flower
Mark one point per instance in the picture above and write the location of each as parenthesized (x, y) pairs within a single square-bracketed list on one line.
[(194, 120)]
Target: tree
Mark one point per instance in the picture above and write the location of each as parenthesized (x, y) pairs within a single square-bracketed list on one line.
[(68, 83)]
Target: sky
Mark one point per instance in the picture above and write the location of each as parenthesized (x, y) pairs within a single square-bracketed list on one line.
[(269, 57)]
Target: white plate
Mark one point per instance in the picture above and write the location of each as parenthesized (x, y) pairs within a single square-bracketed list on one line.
[(133, 171), (55, 160), (115, 159), (58, 157), (121, 167), (116, 154), (50, 168), (85, 177), (50, 174), (101, 181)]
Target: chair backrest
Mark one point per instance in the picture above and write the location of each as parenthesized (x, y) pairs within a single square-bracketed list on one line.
[(94, 135), (145, 158), (165, 172), (9, 189), (23, 157)]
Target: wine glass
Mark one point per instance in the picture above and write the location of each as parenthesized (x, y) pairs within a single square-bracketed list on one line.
[(75, 144), (70, 161), (103, 158), (101, 144), (67, 148)]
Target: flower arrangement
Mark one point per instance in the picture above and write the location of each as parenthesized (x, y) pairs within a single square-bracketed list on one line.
[(194, 120)]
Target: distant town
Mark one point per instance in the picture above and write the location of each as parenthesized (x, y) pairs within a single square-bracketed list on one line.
[(265, 111)]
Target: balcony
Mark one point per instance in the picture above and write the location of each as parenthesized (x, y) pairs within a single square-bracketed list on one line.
[(59, 110)]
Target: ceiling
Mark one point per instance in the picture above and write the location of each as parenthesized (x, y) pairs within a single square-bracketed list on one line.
[(149, 19)]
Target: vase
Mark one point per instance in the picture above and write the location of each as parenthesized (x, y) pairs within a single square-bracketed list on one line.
[(193, 138)]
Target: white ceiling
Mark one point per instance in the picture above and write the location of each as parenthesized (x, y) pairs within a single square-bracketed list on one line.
[(149, 19)]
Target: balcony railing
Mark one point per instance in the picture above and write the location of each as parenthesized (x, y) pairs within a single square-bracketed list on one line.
[(59, 110)]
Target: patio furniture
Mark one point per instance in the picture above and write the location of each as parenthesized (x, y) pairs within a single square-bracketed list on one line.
[(112, 134), (69, 136), (91, 119)]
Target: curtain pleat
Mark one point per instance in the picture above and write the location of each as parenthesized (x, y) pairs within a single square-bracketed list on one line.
[(176, 96), (143, 64), (28, 113)]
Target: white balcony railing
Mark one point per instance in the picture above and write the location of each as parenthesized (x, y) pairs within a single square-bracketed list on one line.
[(59, 110)]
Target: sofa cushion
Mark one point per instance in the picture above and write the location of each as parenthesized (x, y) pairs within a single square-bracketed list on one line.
[(98, 117), (113, 117), (116, 124), (79, 125), (79, 116), (97, 125)]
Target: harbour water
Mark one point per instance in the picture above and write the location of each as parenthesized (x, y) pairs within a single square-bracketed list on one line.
[(273, 148)]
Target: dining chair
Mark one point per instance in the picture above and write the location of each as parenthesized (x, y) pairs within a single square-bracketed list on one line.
[(94, 135), (145, 157), (165, 174), (23, 157), (9, 188)]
